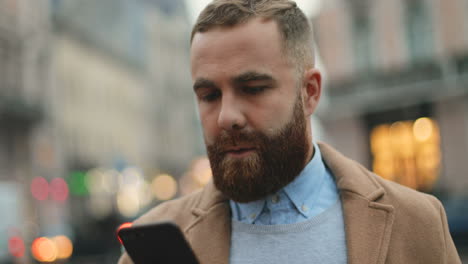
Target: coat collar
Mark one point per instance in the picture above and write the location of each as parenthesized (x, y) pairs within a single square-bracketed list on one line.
[(368, 221), (210, 232), (350, 176)]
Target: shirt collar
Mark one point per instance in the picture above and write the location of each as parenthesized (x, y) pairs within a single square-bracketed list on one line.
[(305, 189), (302, 192)]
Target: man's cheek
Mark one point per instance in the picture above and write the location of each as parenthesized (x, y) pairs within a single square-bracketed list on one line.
[(210, 136), (208, 132), (208, 140)]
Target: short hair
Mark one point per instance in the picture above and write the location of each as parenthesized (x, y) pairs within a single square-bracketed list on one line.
[(293, 25)]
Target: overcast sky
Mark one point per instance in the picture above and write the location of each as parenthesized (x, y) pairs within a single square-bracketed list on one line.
[(310, 7)]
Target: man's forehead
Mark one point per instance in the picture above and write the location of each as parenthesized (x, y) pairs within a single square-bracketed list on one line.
[(232, 51)]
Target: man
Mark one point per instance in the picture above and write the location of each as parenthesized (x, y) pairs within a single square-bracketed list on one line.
[(276, 196)]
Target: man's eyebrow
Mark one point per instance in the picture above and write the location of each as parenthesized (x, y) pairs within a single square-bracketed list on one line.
[(252, 76), (203, 83)]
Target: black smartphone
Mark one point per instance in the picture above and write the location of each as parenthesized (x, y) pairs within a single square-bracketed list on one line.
[(158, 243)]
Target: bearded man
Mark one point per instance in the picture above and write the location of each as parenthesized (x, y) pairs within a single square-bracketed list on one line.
[(278, 196)]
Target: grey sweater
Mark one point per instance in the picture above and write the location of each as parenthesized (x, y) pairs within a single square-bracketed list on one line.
[(319, 240)]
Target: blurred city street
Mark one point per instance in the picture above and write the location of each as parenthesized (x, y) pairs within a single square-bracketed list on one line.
[(98, 121)]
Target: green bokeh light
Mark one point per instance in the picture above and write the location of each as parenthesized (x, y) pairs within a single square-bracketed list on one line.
[(78, 183)]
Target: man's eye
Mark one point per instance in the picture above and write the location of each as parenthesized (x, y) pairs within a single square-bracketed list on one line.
[(254, 89), (210, 97)]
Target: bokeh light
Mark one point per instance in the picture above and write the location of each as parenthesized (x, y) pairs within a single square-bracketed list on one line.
[(64, 247), (78, 183), (101, 181), (402, 138), (145, 194), (40, 188), (44, 250), (131, 176), (196, 177), (202, 171), (128, 202), (59, 190), (380, 138), (164, 187), (407, 152), (423, 129), (16, 246)]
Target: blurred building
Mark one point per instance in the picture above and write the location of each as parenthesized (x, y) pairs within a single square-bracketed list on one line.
[(102, 102), (397, 61), (178, 134), (122, 111), (398, 91), (123, 83), (26, 148)]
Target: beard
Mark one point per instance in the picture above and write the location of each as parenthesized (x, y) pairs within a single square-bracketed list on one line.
[(275, 162)]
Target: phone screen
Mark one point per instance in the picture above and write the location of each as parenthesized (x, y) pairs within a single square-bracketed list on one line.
[(159, 243)]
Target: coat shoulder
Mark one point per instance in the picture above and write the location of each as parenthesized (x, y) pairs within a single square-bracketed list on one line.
[(420, 224), (404, 198), (417, 214), (178, 211)]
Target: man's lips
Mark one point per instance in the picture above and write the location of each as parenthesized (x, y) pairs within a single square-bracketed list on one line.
[(239, 150)]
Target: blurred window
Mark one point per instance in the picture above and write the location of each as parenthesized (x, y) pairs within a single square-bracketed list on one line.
[(407, 152), (55, 6), (362, 40), (419, 30), (465, 15), (3, 56)]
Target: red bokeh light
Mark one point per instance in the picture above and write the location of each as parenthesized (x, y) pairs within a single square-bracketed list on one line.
[(59, 189), (16, 246), (40, 188)]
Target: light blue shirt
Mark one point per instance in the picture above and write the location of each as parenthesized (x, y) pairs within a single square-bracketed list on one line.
[(310, 194)]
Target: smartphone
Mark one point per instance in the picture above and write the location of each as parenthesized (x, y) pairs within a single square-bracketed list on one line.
[(158, 243)]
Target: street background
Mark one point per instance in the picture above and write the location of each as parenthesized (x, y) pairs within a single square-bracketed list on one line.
[(98, 121)]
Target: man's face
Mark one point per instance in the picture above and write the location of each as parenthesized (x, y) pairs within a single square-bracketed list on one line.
[(251, 109)]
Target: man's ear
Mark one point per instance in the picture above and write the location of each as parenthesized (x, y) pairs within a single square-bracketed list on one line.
[(311, 90)]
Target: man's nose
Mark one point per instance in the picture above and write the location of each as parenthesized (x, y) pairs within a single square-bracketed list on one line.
[(231, 115)]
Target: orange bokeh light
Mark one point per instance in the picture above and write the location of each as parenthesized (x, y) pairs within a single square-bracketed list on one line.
[(44, 250), (64, 247)]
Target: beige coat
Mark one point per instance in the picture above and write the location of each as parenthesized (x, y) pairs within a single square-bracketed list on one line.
[(384, 222)]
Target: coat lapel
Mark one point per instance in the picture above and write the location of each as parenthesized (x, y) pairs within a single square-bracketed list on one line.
[(368, 228), (210, 232), (368, 221)]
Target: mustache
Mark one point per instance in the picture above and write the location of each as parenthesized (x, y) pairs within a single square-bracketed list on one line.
[(235, 138)]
